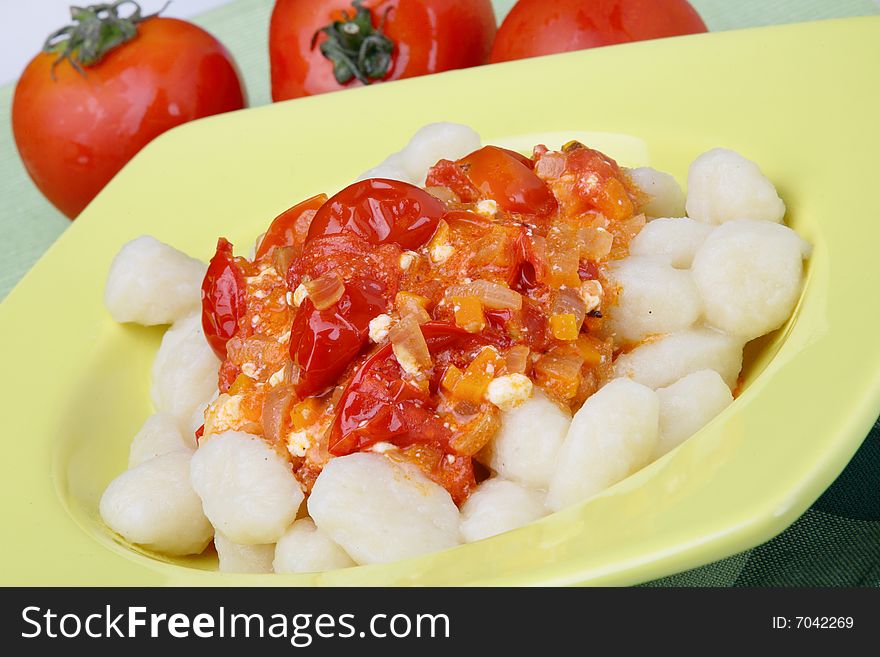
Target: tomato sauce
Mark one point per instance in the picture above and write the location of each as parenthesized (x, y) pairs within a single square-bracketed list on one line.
[(377, 318)]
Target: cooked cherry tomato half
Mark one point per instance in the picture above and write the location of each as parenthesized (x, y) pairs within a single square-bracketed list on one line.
[(324, 342), (380, 211), (291, 226), (223, 298), (378, 405), (508, 179)]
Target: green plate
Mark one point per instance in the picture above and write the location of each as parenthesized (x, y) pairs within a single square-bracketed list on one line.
[(797, 99)]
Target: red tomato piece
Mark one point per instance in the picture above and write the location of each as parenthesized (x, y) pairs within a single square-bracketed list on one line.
[(75, 131), (378, 405), (290, 227), (505, 177), (323, 343), (223, 298), (544, 27), (407, 38), (381, 212)]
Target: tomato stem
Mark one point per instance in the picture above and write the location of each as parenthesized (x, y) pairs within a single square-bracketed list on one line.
[(355, 47), (96, 30)]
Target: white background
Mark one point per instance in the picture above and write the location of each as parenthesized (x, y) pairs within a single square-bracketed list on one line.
[(25, 25)]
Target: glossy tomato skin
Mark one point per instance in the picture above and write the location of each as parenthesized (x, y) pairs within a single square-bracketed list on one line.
[(381, 212), (223, 298), (74, 133), (507, 178), (324, 342), (291, 226), (429, 36), (544, 27)]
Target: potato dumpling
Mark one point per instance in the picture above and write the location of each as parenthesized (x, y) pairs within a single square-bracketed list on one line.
[(185, 370), (723, 185), (153, 283), (525, 447), (749, 276), (688, 405), (676, 239), (238, 558), (248, 490), (159, 435), (154, 505), (653, 299), (665, 196), (663, 361), (304, 548), (497, 506), (613, 435), (391, 168), (435, 142), (379, 510)]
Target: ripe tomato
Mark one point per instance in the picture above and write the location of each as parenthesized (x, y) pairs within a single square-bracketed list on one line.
[(324, 342), (223, 298), (381, 212), (544, 27), (291, 226), (507, 178), (75, 129), (375, 40), (378, 405)]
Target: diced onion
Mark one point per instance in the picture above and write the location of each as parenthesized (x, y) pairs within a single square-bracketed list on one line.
[(491, 295), (570, 302), (408, 303), (477, 433), (409, 345), (275, 407), (550, 166), (325, 290), (559, 372), (516, 359)]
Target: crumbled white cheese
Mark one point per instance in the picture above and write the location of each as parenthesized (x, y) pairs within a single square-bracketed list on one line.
[(276, 378), (379, 327), (487, 208), (298, 442), (440, 253), (223, 414), (407, 258), (249, 369), (381, 448), (285, 337), (407, 361), (509, 391), (591, 293), (289, 297), (299, 295)]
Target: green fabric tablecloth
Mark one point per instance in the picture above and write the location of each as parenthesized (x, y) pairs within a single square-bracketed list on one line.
[(836, 542)]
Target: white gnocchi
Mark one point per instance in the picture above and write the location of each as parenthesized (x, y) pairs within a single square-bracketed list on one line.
[(689, 404), (665, 196), (238, 558), (613, 435), (247, 489), (526, 445), (185, 370), (152, 283), (675, 238), (749, 276), (154, 505), (159, 435), (379, 510), (653, 299), (660, 362), (304, 548), (497, 506), (723, 185)]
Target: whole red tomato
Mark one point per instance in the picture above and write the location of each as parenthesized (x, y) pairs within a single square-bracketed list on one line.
[(545, 27), (317, 46), (78, 119)]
